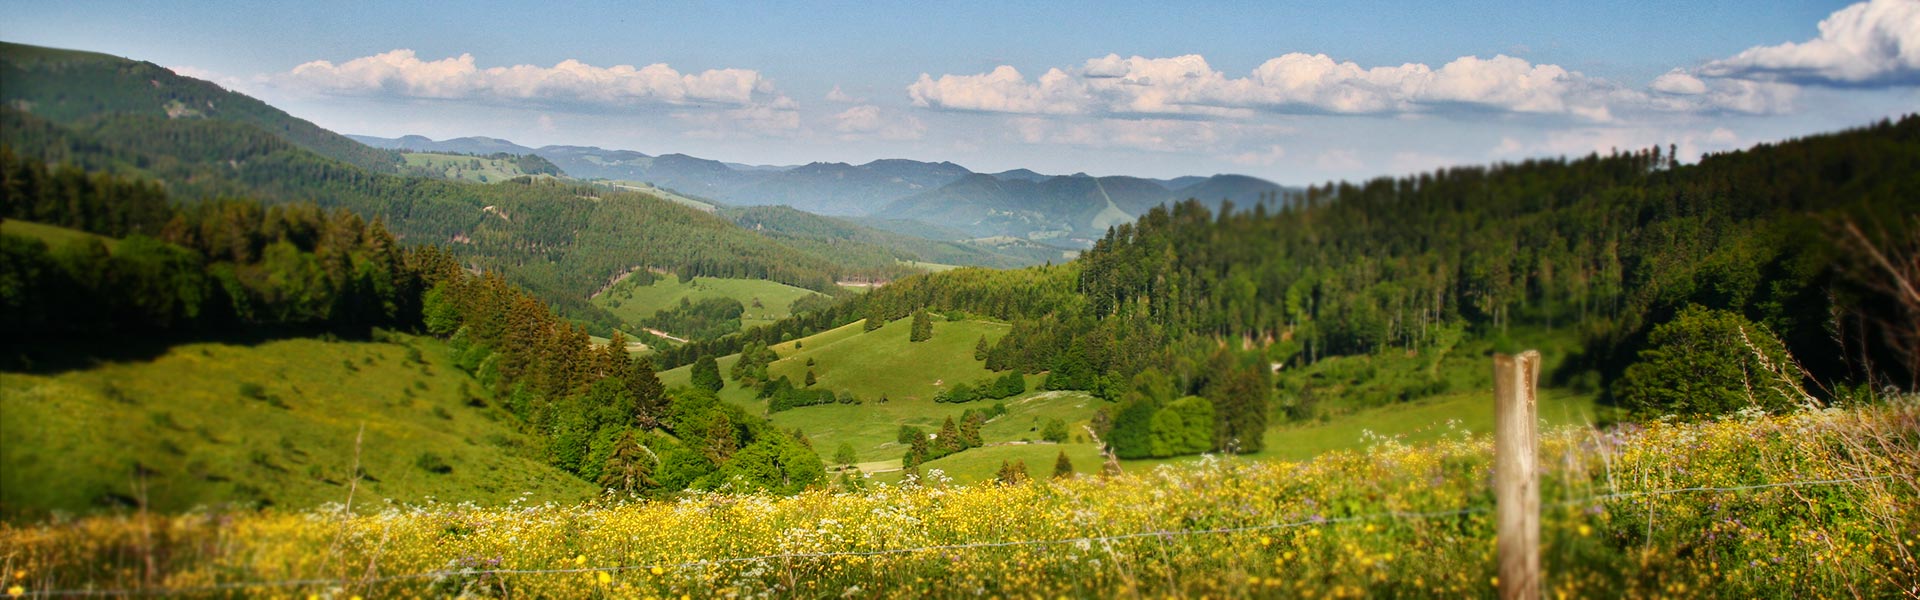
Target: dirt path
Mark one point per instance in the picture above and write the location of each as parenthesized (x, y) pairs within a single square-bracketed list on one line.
[(664, 334)]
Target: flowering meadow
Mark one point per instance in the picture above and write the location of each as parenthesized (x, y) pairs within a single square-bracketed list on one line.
[(1815, 504)]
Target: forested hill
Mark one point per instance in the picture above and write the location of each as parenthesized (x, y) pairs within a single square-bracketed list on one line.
[(1607, 246), (561, 240), (71, 87)]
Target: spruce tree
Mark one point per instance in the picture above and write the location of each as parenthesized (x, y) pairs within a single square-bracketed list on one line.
[(922, 327), (1062, 466), (706, 373)]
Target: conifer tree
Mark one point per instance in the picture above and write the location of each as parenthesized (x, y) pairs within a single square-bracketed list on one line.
[(922, 327), (1062, 466), (706, 374)]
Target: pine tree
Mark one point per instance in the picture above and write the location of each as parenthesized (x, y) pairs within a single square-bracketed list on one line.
[(922, 327), (706, 373), (1062, 466), (980, 349), (810, 378)]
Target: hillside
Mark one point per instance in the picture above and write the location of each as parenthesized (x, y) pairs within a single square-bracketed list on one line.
[(264, 424), (1071, 210), (938, 201), (870, 365), (636, 298), (477, 169), (70, 87), (563, 240), (830, 235)]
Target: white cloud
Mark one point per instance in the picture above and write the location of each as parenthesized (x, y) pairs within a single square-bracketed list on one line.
[(1003, 90), (842, 97), (1870, 43), (1678, 81), (1293, 83), (1262, 157), (570, 82), (869, 122)]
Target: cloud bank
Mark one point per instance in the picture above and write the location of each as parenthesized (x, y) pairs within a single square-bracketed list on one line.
[(1866, 44), (401, 73)]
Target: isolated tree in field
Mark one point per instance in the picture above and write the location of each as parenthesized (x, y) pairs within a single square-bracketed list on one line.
[(1707, 362), (811, 379), (1054, 431), (706, 374), (980, 349), (922, 327), (845, 454), (1062, 466)]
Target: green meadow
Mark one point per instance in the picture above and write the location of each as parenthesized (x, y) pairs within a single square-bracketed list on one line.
[(269, 424), (765, 301), (478, 169)]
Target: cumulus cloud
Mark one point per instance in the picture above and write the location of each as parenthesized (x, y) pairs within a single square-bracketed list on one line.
[(1870, 43), (841, 97), (401, 73), (869, 122), (1261, 157), (1293, 83)]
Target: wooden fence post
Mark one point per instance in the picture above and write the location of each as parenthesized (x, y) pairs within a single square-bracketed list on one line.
[(1516, 481)]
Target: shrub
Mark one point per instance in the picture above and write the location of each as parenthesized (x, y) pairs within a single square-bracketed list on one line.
[(1706, 362), (433, 463)]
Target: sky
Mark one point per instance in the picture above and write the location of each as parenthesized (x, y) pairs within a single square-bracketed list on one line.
[(1295, 92)]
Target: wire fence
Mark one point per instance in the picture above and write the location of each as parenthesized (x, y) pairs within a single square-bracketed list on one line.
[(1163, 534)]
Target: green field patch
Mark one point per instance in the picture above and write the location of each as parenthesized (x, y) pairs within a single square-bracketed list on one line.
[(208, 424), (461, 167), (55, 236), (765, 301), (874, 364), (981, 464)]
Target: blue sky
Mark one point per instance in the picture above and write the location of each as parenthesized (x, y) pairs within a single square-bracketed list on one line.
[(1295, 92)]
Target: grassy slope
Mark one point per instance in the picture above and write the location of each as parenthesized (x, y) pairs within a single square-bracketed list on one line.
[(456, 166), (55, 236), (72, 439), (633, 303), (870, 365), (662, 193), (1352, 392)]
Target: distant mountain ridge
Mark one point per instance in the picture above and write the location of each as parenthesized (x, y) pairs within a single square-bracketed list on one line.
[(1066, 210)]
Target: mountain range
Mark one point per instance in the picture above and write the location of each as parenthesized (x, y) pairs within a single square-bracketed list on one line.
[(1065, 210)]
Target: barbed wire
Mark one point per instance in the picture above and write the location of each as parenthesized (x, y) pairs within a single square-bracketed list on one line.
[(1099, 539)]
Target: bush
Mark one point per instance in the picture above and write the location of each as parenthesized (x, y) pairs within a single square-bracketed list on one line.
[(1707, 362), (433, 463)]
